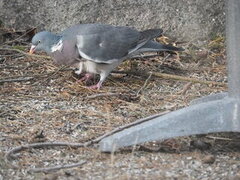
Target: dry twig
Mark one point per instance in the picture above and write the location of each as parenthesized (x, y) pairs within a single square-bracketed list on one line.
[(145, 84), (55, 168), (17, 149), (185, 88), (181, 78), (24, 34), (16, 79), (24, 53), (171, 76), (219, 138)]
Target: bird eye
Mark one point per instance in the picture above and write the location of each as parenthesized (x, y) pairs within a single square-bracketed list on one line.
[(39, 41)]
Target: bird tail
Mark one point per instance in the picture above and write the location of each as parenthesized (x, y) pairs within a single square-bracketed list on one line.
[(152, 46)]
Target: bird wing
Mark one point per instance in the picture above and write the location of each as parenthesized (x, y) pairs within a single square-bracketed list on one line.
[(105, 43)]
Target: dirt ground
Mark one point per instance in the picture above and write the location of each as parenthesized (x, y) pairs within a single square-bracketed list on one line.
[(53, 106)]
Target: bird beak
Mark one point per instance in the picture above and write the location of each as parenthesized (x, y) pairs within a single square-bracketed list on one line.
[(32, 49)]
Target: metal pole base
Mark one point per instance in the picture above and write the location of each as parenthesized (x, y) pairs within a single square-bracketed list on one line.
[(215, 113)]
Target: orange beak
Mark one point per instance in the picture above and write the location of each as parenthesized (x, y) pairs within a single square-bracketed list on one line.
[(32, 49)]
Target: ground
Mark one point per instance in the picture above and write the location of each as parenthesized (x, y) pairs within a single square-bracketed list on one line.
[(53, 106)]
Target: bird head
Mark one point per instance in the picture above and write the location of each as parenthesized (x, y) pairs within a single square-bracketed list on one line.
[(43, 41)]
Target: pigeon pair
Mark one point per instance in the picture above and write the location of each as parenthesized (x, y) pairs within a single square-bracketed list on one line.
[(97, 48)]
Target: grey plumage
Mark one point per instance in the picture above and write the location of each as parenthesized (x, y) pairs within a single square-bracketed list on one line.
[(97, 48)]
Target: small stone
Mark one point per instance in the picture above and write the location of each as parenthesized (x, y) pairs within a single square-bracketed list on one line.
[(202, 53), (209, 159)]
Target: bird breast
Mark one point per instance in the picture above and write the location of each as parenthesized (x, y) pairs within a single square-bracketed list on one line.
[(65, 54)]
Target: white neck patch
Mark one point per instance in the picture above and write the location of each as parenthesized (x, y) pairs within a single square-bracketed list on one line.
[(57, 47)]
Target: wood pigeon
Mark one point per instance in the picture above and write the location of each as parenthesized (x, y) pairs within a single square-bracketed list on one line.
[(97, 48)]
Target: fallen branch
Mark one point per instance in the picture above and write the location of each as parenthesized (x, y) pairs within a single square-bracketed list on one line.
[(55, 168), (171, 76), (16, 79), (24, 53)]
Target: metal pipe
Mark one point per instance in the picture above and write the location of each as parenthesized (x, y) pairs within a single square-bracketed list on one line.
[(233, 47)]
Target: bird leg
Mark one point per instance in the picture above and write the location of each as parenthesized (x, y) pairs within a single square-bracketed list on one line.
[(103, 76)]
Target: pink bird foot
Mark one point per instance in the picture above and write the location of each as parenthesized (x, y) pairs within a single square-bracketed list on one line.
[(86, 77), (96, 86)]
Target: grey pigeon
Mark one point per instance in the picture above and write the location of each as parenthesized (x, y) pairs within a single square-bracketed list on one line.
[(97, 48)]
